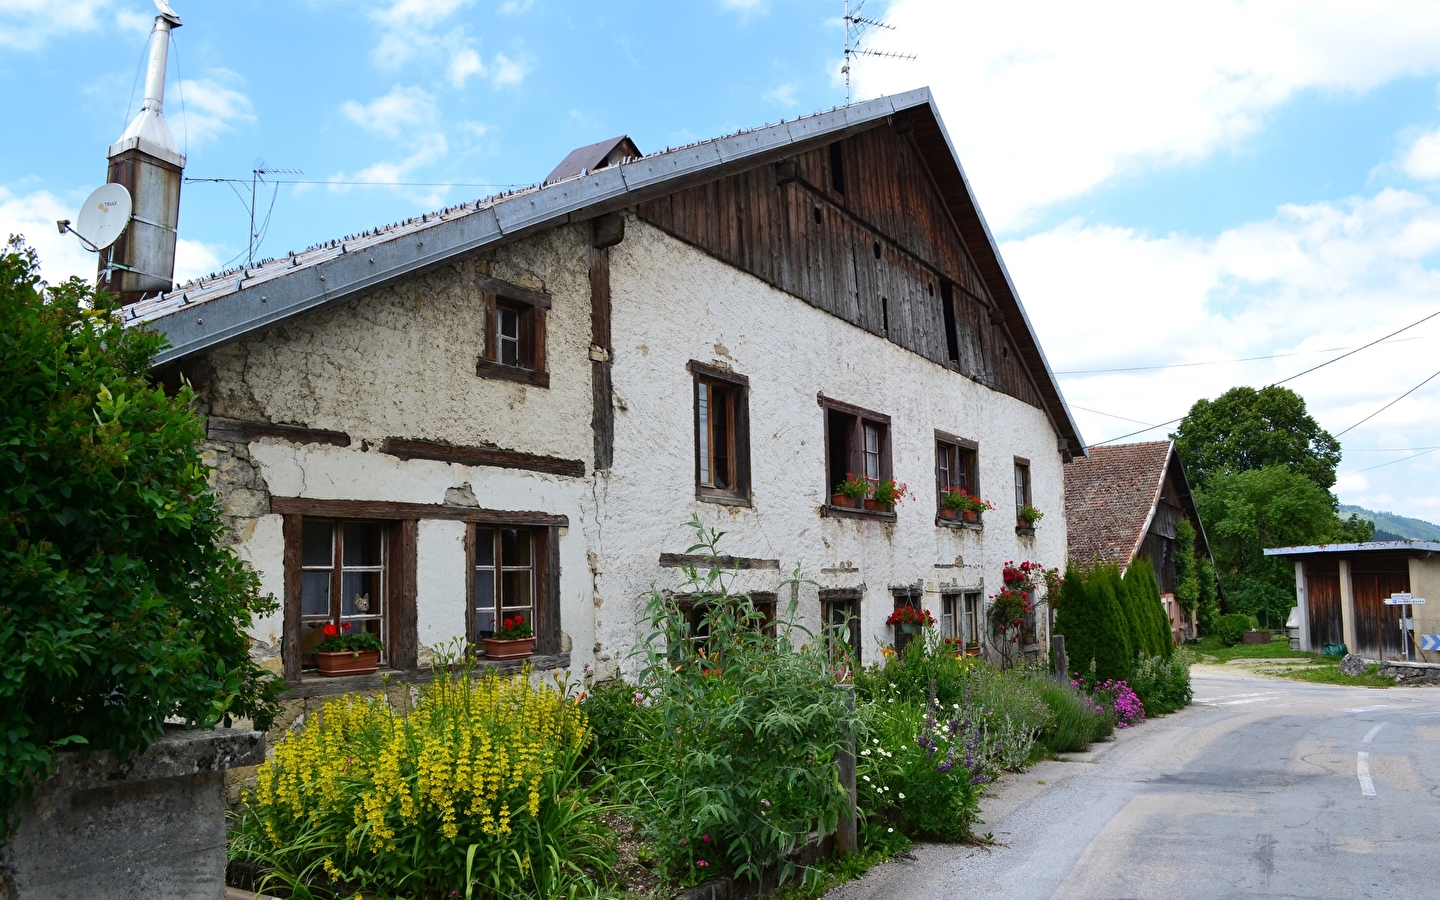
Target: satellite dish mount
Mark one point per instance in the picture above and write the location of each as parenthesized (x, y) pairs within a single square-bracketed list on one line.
[(102, 219)]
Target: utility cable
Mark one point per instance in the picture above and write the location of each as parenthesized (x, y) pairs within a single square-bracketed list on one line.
[(1214, 362), (1353, 352), (1390, 463), (1390, 404)]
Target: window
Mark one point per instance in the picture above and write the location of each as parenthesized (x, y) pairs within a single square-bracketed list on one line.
[(514, 332), (342, 581), (955, 467), (508, 578), (905, 597), (857, 442), (837, 168), (722, 439), (840, 618), (1022, 483), (697, 615), (970, 617), (951, 624)]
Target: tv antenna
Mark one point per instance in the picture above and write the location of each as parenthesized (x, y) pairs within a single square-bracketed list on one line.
[(257, 178), (855, 28)]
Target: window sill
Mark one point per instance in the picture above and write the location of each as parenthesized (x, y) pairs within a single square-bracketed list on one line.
[(314, 685), (1025, 531), (958, 525), (487, 368), (849, 512), (722, 499)]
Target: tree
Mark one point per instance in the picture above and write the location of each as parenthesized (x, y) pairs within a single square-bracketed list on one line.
[(1274, 506), (1149, 609), (1245, 429), (1094, 624), (1187, 574), (120, 605)]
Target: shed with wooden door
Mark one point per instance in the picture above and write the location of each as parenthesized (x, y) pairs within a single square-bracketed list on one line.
[(1342, 588)]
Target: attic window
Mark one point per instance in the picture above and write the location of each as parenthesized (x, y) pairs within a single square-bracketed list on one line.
[(514, 347), (837, 168)]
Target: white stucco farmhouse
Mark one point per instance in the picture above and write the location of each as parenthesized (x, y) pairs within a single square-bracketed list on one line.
[(514, 405)]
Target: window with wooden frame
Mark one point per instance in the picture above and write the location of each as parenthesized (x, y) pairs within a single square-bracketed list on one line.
[(857, 441), (1022, 483), (955, 467), (722, 434), (910, 597), (951, 623), (840, 617), (514, 332), (697, 615), (970, 618), (342, 581), (512, 573)]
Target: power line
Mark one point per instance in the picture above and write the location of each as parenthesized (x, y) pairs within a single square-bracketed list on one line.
[(1101, 412), (1357, 350), (1390, 404), (1215, 362), (1390, 463)]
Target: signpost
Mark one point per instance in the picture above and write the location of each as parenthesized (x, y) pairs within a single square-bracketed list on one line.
[(1407, 624)]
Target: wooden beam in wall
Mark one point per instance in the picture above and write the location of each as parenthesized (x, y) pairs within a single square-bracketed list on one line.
[(242, 431), (406, 448), (602, 416), (387, 509), (701, 561)]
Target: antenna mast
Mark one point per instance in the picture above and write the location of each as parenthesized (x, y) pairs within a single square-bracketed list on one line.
[(855, 25), (257, 177)]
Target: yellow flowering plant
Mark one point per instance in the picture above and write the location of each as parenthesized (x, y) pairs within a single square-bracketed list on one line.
[(473, 792)]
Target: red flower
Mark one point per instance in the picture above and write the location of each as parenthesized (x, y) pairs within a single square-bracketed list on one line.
[(349, 625), (329, 630), (509, 624), (519, 620)]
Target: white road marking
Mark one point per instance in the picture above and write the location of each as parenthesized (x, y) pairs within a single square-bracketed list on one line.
[(1236, 699), (1362, 771), (1361, 709), (1370, 735)]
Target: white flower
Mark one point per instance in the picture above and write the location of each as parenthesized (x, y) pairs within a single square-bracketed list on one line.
[(874, 740), (866, 777), (902, 795), (865, 752), (889, 831)]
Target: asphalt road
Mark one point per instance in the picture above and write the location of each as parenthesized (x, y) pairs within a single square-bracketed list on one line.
[(1262, 788)]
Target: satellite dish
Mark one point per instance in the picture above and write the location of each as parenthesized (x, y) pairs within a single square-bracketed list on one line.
[(104, 216)]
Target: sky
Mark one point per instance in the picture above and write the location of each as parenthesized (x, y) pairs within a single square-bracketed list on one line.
[(1176, 187)]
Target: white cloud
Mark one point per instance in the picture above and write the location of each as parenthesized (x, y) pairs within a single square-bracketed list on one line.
[(210, 108), (507, 72), (1305, 281), (784, 95), (30, 24), (1048, 100), (34, 215), (463, 64), (1422, 160), (61, 256), (402, 109), (427, 148), (515, 7), (417, 13)]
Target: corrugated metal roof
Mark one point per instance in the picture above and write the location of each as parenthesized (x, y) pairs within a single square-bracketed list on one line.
[(1361, 547), (223, 307)]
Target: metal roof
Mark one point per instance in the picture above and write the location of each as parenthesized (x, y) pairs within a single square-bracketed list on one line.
[(588, 158), (219, 308), (1362, 547)]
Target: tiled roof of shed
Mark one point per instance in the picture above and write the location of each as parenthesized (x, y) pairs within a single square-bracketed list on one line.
[(1109, 496)]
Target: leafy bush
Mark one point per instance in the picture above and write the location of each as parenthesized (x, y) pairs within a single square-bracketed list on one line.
[(1097, 632), (1162, 685), (920, 768), (1149, 616), (618, 723), (1230, 628), (120, 605), (1119, 698), (474, 790), (1076, 720), (737, 765)]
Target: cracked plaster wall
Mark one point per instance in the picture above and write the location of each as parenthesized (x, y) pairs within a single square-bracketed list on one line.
[(400, 362), (790, 351)]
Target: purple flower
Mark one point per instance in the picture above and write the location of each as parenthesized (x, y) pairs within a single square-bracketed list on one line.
[(944, 766), (980, 779)]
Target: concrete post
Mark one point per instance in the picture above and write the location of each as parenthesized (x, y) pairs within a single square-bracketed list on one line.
[(847, 835), (1347, 606), (1303, 602)]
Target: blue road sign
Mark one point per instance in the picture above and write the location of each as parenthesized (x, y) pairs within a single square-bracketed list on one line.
[(1430, 642)]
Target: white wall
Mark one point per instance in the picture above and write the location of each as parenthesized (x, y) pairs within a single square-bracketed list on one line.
[(674, 303)]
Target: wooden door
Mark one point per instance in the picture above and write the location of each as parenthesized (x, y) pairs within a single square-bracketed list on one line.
[(1322, 599), (1377, 626)]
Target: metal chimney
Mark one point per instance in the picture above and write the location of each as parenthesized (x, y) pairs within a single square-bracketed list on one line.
[(148, 163)]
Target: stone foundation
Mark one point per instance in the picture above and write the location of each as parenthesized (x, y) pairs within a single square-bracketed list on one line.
[(150, 827)]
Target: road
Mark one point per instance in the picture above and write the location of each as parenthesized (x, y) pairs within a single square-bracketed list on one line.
[(1262, 788)]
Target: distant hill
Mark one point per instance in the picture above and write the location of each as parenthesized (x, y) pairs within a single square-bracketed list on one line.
[(1390, 527)]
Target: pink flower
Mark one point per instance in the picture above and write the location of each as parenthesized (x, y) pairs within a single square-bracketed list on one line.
[(705, 838), (701, 863)]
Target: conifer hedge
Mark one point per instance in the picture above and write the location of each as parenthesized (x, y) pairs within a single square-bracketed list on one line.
[(1111, 621)]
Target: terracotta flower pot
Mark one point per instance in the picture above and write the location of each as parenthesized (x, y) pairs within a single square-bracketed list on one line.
[(1021, 523), (844, 501), (516, 649), (877, 506), (348, 662), (970, 516), (972, 651), (948, 513)]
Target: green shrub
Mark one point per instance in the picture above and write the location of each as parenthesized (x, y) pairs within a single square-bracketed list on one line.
[(473, 791), (1163, 685), (120, 605), (1097, 632), (920, 768), (1209, 595), (619, 725), (1150, 609), (1231, 627), (928, 665), (738, 764), (1076, 721)]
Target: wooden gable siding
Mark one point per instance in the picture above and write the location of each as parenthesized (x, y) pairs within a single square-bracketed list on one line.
[(877, 256)]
